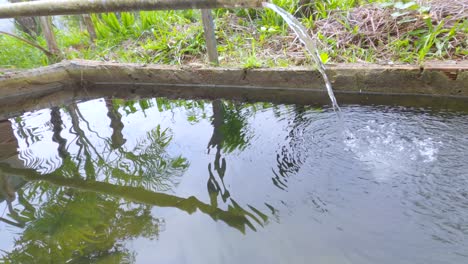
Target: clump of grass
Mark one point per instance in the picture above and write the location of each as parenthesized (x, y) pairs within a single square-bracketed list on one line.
[(169, 37), (252, 61)]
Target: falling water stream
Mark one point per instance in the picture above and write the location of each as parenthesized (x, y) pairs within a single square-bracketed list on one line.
[(311, 47)]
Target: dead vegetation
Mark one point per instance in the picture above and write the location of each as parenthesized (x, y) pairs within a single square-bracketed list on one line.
[(434, 26), (378, 33)]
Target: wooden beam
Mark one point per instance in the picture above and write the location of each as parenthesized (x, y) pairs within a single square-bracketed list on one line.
[(71, 7), (90, 27), (210, 37), (48, 32)]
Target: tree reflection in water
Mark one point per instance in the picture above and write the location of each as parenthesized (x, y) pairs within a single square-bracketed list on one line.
[(97, 193), (229, 133), (8, 183)]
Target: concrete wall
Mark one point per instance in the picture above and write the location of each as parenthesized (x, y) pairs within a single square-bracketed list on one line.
[(430, 79)]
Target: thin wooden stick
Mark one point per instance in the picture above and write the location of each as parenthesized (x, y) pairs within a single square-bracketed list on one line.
[(49, 54)]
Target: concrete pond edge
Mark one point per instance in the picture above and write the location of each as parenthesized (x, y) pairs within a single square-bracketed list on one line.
[(434, 79)]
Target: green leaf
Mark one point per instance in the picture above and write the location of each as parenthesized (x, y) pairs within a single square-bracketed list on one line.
[(128, 20), (324, 57)]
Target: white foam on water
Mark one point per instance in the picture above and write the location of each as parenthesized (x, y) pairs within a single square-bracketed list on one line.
[(385, 150)]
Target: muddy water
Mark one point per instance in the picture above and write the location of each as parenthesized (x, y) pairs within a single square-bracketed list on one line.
[(198, 181)]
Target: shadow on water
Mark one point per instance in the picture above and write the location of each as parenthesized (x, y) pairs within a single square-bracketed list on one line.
[(97, 192)]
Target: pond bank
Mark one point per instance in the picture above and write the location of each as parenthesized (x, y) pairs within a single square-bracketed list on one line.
[(440, 79)]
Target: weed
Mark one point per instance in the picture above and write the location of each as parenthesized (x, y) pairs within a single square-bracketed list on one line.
[(252, 61), (349, 31)]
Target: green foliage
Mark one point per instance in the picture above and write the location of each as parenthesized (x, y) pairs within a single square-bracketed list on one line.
[(431, 41), (152, 168), (428, 39), (109, 26), (234, 127), (70, 217), (324, 57), (176, 37), (320, 9), (17, 54), (81, 227), (70, 226), (270, 19), (149, 36), (252, 60)]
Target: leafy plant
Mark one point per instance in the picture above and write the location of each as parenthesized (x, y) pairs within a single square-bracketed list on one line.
[(252, 61)]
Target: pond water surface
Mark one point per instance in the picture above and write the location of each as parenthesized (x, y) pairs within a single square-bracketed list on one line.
[(196, 181)]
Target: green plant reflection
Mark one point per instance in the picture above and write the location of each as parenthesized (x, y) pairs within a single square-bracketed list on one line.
[(98, 193)]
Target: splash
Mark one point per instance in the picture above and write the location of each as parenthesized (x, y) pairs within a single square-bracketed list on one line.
[(388, 150)]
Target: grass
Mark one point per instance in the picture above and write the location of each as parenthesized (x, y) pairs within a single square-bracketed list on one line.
[(408, 32), (17, 54), (348, 30)]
